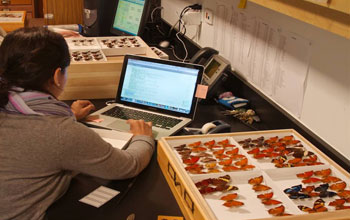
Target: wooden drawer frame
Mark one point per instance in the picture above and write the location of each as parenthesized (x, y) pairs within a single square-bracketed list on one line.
[(192, 203)]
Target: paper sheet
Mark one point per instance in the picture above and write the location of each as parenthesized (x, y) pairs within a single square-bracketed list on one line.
[(117, 139), (272, 58), (99, 196)]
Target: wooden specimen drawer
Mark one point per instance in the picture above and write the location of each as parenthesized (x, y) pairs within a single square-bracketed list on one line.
[(95, 79), (253, 175)]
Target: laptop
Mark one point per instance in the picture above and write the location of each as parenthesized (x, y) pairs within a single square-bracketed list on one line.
[(156, 90)]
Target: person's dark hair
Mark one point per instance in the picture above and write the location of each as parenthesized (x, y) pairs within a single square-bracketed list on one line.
[(29, 58)]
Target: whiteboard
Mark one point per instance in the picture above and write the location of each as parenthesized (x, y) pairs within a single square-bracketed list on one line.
[(325, 101)]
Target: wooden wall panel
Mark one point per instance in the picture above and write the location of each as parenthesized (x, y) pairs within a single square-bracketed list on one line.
[(63, 11)]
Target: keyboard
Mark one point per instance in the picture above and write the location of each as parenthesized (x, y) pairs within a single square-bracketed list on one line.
[(157, 120)]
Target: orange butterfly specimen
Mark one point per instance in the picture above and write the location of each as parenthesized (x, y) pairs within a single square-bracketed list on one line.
[(242, 162), (280, 148), (221, 156), (229, 145), (337, 202), (265, 196), (237, 156), (294, 161), (231, 196), (233, 203), (272, 140), (287, 138), (268, 150), (254, 151), (273, 154), (256, 180), (212, 170), (226, 162), (323, 173), (195, 169), (305, 175), (270, 202), (198, 149), (283, 165), (314, 163), (210, 165), (260, 187), (190, 160), (311, 180), (194, 166), (233, 151), (219, 152), (208, 160), (259, 156), (345, 194), (342, 207), (308, 189), (278, 211), (223, 142), (247, 167), (300, 164), (230, 168), (338, 186), (195, 144), (330, 179), (209, 143), (310, 159), (293, 142)]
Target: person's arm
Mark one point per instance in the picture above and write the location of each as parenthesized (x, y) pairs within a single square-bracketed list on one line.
[(82, 150)]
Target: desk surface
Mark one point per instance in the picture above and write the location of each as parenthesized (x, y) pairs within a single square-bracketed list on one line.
[(148, 197)]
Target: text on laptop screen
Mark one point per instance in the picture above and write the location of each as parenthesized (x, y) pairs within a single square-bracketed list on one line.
[(159, 85)]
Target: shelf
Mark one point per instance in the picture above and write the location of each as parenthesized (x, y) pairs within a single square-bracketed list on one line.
[(333, 17)]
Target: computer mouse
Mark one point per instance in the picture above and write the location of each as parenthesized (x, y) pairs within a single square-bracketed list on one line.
[(164, 44)]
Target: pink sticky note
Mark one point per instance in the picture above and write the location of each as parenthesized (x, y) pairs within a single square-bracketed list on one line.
[(201, 91)]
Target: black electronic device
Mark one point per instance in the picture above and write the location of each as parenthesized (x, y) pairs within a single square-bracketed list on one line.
[(215, 68), (202, 56), (130, 17), (97, 17)]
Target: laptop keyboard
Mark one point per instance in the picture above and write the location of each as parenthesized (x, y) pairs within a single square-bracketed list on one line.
[(157, 120)]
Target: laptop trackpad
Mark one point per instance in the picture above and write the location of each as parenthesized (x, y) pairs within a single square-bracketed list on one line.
[(119, 126), (123, 126)]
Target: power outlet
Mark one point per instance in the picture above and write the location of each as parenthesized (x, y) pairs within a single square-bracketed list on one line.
[(208, 16)]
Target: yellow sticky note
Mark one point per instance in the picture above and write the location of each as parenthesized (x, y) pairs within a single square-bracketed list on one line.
[(164, 217), (201, 91), (242, 4)]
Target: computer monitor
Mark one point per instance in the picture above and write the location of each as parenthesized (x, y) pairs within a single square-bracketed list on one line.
[(130, 17)]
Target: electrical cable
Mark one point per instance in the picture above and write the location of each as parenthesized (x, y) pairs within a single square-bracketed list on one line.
[(152, 13)]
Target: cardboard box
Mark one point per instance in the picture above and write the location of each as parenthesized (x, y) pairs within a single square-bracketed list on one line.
[(12, 20), (199, 205)]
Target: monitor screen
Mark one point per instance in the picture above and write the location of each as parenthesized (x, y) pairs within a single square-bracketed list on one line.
[(130, 17)]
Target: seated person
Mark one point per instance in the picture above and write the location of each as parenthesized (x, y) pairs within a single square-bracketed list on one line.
[(41, 142)]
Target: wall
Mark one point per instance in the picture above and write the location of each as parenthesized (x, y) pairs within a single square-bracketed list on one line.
[(325, 106)]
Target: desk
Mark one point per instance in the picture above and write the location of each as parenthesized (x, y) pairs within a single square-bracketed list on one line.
[(150, 194)]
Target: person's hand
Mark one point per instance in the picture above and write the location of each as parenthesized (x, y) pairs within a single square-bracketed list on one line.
[(81, 108), (140, 127), (68, 34)]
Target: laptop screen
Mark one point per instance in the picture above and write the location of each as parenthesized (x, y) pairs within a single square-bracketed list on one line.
[(159, 84)]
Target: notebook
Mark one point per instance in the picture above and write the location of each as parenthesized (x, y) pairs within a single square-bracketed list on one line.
[(161, 91)]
